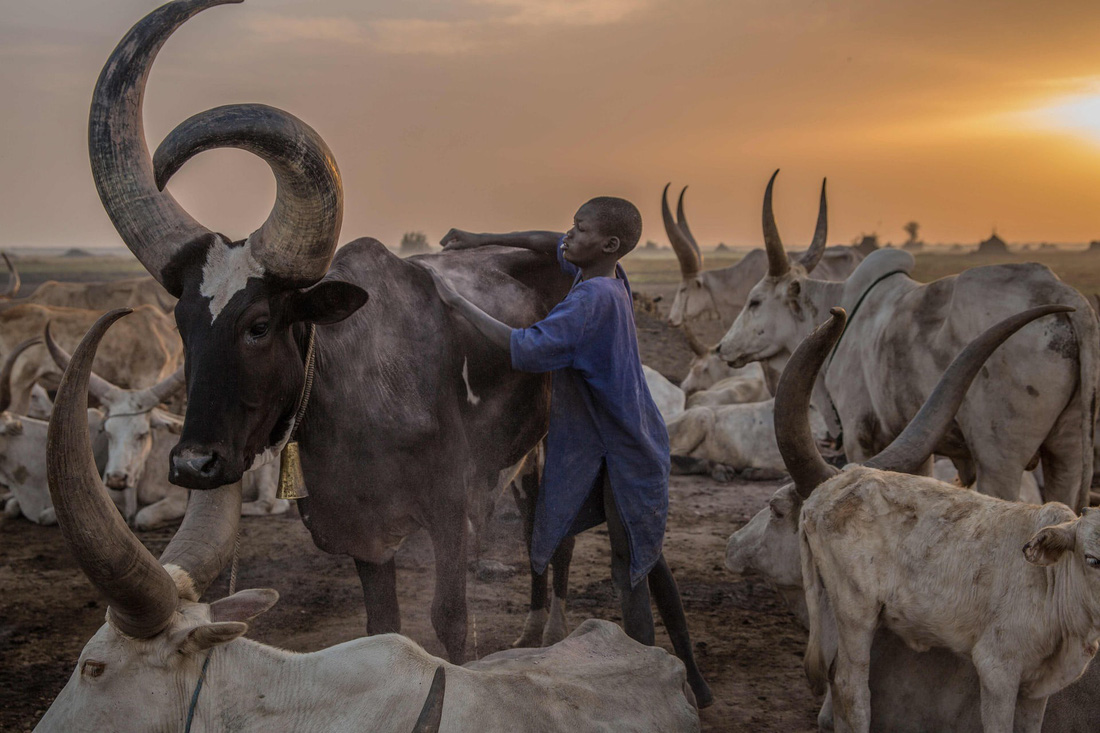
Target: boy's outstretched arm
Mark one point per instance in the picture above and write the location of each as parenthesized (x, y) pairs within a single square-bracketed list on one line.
[(500, 334), (541, 242)]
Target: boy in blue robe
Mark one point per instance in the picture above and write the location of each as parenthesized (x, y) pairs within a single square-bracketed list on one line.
[(607, 449)]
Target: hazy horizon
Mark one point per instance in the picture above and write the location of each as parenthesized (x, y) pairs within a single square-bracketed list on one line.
[(507, 114)]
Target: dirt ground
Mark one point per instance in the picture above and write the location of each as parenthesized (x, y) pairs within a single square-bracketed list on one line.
[(748, 645)]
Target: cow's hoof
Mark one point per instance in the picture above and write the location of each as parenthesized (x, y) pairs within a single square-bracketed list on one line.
[(47, 518), (723, 473), (556, 628), (532, 629), (11, 508)]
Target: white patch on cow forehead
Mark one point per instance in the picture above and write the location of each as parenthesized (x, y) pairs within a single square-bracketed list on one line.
[(226, 273), (472, 398)]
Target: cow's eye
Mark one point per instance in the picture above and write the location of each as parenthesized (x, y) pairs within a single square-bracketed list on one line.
[(754, 303), (259, 329), (1092, 561), (92, 668)]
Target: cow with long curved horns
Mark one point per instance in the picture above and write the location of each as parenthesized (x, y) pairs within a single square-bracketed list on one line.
[(163, 658), (722, 293), (408, 411), (876, 380)]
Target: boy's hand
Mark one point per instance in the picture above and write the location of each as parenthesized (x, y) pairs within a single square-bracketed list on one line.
[(458, 239), (446, 293)]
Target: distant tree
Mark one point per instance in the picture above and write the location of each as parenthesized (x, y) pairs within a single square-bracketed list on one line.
[(414, 243), (912, 228), (650, 246)]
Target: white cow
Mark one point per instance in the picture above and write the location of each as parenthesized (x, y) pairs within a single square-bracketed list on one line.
[(669, 397), (707, 368), (908, 692), (140, 436), (902, 334), (140, 670), (741, 437)]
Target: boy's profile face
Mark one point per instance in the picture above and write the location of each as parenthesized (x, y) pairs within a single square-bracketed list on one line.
[(586, 244)]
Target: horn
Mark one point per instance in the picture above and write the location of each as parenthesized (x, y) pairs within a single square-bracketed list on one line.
[(908, 452), (296, 243), (100, 388), (203, 545), (163, 390), (432, 712), (682, 222), (13, 278), (813, 255), (778, 265), (792, 406), (693, 341), (690, 260), (142, 595), (151, 222), (6, 370)]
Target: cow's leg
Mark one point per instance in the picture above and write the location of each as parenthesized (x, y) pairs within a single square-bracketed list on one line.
[(162, 512), (1000, 685), (1029, 714), (380, 596), (1063, 460), (449, 602), (556, 627), (851, 689), (999, 466), (667, 597), (525, 493)]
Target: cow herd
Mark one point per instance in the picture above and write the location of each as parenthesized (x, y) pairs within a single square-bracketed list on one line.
[(929, 605)]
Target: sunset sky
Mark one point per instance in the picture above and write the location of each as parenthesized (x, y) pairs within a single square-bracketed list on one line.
[(508, 114)]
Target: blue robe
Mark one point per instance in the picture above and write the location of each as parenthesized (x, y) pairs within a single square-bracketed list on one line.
[(601, 413)]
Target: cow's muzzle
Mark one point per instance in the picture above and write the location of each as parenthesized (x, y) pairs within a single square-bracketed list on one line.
[(198, 467)]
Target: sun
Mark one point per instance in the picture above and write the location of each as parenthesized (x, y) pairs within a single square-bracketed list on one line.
[(1079, 114)]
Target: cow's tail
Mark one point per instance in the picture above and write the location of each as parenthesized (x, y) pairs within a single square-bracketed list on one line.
[(817, 670), (1087, 330)]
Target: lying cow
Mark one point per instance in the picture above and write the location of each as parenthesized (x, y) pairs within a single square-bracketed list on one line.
[(139, 435), (669, 397), (23, 451), (733, 437), (707, 368), (158, 638), (908, 694), (731, 391)]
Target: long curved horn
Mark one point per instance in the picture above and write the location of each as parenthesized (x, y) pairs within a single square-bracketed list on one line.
[(690, 261), (792, 406), (432, 712), (100, 388), (13, 278), (203, 545), (778, 264), (6, 370), (696, 345), (813, 255), (682, 222), (151, 222), (163, 390), (908, 452), (142, 595), (296, 243)]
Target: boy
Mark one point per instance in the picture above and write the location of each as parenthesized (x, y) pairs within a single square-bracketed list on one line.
[(607, 450)]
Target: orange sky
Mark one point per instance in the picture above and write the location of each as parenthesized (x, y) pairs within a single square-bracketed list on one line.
[(505, 114)]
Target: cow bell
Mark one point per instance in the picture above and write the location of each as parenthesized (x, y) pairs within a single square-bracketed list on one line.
[(292, 483)]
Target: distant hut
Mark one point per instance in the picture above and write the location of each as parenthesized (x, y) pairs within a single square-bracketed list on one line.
[(722, 247), (650, 246), (993, 246), (868, 244), (1094, 245)]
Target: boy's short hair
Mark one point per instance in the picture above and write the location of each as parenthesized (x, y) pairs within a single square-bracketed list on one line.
[(618, 218)]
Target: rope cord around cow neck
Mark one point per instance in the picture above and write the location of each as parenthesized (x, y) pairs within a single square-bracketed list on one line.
[(303, 401), (832, 352)]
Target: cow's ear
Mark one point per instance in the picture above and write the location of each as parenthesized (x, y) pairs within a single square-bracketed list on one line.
[(206, 636), (168, 421), (243, 605), (1049, 543), (794, 290), (330, 301)]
